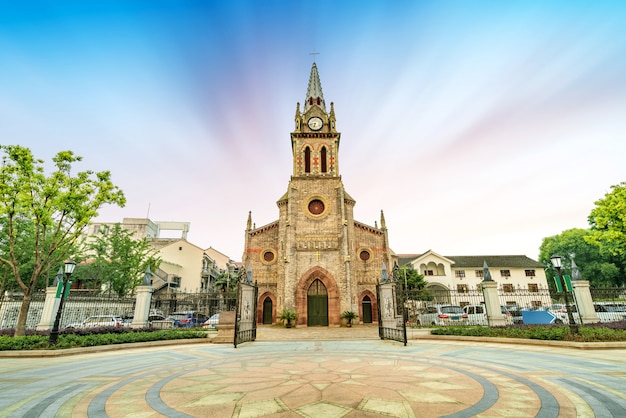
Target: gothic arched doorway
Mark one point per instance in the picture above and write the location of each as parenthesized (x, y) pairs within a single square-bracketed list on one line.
[(317, 304), (366, 306), (267, 311)]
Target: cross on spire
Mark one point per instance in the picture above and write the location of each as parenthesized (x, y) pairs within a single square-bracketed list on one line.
[(314, 54)]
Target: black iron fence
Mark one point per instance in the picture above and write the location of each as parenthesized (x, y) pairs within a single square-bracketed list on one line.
[(10, 306), (206, 303)]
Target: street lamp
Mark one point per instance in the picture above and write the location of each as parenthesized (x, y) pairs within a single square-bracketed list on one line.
[(556, 262), (54, 333)]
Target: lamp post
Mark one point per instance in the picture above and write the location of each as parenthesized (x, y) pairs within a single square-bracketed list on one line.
[(556, 262), (54, 333)]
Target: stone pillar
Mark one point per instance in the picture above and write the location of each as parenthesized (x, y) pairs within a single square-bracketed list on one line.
[(50, 306), (495, 317), (584, 303), (143, 297), (388, 305)]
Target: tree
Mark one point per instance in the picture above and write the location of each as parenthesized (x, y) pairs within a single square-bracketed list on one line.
[(608, 226), (413, 279), (59, 207), (594, 266), (226, 282), (117, 261)]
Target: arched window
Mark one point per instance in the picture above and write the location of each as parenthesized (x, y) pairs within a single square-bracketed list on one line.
[(307, 160), (323, 158)]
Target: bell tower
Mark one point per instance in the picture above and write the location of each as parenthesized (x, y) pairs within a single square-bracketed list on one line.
[(315, 140)]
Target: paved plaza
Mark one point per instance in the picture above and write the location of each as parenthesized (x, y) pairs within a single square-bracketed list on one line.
[(319, 372)]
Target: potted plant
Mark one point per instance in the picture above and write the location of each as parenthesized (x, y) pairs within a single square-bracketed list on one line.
[(348, 316), (288, 315)]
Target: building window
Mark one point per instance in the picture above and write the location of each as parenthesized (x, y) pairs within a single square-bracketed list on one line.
[(530, 273), (508, 288), (307, 160), (364, 255), (323, 158), (461, 288), (479, 273), (505, 273), (459, 274), (533, 287), (428, 273)]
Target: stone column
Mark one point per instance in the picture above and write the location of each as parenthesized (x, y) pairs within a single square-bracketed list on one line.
[(387, 305), (584, 303), (495, 317), (143, 295), (50, 306)]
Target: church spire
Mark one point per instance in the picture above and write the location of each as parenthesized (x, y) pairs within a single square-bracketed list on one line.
[(314, 95)]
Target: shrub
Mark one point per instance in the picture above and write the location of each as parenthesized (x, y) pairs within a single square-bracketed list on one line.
[(93, 337), (611, 331)]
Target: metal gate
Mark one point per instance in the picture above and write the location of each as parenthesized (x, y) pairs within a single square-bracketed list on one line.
[(245, 309), (391, 312)]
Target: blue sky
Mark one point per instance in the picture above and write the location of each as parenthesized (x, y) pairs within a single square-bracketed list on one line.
[(478, 127)]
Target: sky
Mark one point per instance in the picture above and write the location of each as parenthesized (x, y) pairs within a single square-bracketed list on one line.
[(478, 127)]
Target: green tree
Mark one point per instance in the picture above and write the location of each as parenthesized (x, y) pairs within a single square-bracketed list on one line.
[(59, 206), (594, 265), (117, 261), (23, 248), (406, 274), (226, 282), (608, 226)]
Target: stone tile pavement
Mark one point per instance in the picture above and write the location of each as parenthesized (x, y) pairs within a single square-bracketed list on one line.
[(320, 372)]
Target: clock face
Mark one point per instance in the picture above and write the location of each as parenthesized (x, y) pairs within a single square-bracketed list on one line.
[(316, 123)]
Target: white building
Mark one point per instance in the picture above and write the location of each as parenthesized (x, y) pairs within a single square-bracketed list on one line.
[(521, 280)]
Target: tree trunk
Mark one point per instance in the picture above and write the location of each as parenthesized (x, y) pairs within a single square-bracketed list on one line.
[(20, 327)]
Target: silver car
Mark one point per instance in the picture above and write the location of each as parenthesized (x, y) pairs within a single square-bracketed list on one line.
[(442, 315)]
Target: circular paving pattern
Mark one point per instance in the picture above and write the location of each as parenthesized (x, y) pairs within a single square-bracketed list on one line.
[(366, 378)]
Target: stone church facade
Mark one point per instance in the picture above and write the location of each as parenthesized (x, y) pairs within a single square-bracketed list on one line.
[(316, 258)]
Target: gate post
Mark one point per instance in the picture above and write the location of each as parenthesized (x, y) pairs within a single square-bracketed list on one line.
[(584, 302), (495, 318), (492, 301), (143, 298), (50, 306)]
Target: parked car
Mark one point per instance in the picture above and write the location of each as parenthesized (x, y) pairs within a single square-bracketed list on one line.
[(212, 321), (187, 319), (610, 312), (560, 311), (442, 315), (477, 315), (99, 321), (516, 314)]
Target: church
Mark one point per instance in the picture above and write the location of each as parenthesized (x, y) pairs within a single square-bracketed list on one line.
[(316, 259)]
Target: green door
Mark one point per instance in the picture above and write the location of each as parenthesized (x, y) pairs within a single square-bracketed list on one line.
[(367, 310), (317, 304), (267, 311)]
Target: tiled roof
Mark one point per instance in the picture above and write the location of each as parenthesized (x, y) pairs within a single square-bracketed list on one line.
[(476, 261)]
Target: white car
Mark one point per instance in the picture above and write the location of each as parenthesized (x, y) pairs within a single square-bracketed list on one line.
[(442, 315), (477, 315), (99, 321), (610, 312), (212, 321)]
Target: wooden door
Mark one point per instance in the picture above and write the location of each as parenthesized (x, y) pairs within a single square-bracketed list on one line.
[(267, 311), (366, 306), (317, 304)]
